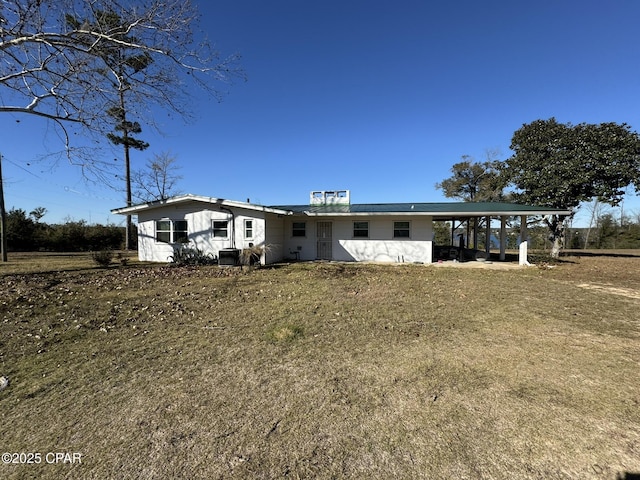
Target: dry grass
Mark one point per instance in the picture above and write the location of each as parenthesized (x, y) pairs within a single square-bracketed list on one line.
[(324, 371)]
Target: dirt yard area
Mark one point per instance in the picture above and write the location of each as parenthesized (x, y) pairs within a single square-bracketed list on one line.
[(322, 370)]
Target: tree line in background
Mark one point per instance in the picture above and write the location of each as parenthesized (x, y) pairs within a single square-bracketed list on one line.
[(27, 232)]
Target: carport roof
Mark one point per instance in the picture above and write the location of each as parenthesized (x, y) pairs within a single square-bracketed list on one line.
[(441, 210)]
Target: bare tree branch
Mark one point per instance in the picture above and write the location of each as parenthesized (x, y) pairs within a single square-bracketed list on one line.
[(158, 180), (52, 62)]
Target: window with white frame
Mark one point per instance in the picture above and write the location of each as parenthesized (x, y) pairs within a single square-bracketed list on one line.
[(248, 229), (220, 228), (401, 229), (360, 229), (172, 231), (299, 229)]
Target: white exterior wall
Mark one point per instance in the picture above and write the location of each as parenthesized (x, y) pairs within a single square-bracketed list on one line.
[(275, 232), (148, 249), (379, 247), (200, 230), (274, 238), (305, 246)]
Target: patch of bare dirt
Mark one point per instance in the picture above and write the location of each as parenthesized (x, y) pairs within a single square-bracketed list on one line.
[(624, 292)]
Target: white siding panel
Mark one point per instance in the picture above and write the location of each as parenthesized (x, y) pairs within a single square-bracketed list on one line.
[(200, 231), (305, 246), (148, 249), (379, 247), (386, 251), (274, 239)]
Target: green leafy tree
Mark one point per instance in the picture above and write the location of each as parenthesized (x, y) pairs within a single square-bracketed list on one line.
[(41, 228), (38, 213), (442, 233), (562, 165), (608, 231), (474, 181), (20, 230)]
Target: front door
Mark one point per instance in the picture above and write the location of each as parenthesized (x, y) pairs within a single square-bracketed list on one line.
[(324, 240)]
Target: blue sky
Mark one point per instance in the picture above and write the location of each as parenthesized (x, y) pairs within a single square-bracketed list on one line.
[(381, 98)]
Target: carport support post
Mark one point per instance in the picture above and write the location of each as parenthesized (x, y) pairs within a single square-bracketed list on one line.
[(453, 230), (3, 219), (475, 232), (523, 229), (487, 237), (503, 237)]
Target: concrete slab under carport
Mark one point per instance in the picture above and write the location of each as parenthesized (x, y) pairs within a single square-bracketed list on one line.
[(489, 265)]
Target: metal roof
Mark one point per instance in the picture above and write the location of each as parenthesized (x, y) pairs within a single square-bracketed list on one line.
[(447, 209)]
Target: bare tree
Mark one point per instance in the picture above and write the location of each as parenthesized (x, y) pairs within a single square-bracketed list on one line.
[(597, 210), (54, 66), (58, 61), (158, 180), (123, 65)]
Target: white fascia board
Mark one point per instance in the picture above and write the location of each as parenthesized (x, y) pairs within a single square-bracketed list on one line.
[(439, 214), (252, 206), (366, 214), (529, 213), (134, 209), (153, 205)]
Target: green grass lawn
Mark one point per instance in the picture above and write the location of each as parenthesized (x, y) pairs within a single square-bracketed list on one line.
[(322, 371)]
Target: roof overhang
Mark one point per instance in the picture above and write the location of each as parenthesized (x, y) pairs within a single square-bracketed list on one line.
[(183, 199), (436, 210), (448, 215)]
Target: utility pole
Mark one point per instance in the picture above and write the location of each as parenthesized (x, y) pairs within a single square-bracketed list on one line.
[(3, 216)]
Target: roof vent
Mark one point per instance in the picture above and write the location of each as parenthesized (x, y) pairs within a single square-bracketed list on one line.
[(330, 197)]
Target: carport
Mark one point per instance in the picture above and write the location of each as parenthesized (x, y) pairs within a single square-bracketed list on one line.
[(471, 214)]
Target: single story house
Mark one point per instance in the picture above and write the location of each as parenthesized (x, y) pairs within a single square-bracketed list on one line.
[(328, 227)]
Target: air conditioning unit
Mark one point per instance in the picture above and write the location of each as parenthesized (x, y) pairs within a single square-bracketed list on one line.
[(229, 257)]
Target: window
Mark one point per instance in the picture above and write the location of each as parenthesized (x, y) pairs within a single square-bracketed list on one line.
[(163, 231), (172, 231), (220, 229), (299, 229), (401, 230), (180, 234), (360, 229), (248, 229)]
